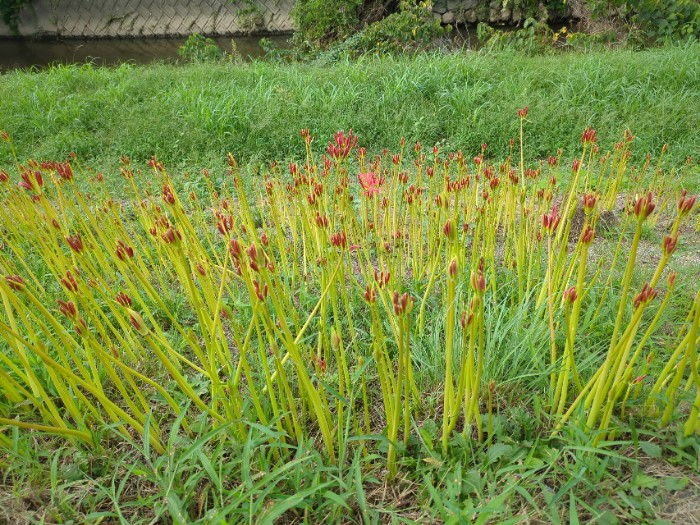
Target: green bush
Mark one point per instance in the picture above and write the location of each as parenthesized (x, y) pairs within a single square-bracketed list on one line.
[(658, 19), (10, 11), (413, 28), (319, 22), (199, 48)]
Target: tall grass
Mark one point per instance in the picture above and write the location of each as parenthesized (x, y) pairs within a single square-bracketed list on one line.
[(191, 116)]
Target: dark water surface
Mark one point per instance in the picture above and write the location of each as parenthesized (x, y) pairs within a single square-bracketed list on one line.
[(26, 53)]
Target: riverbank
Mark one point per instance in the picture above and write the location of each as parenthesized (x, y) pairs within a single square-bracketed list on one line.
[(191, 116)]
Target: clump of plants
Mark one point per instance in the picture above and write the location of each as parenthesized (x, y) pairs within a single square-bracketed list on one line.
[(198, 48), (300, 305)]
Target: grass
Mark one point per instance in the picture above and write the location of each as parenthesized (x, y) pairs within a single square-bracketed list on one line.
[(174, 462), (191, 116)]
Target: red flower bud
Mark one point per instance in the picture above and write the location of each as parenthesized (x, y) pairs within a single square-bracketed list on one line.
[(570, 295), (15, 282)]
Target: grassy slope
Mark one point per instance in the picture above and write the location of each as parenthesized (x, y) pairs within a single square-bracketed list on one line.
[(191, 116)]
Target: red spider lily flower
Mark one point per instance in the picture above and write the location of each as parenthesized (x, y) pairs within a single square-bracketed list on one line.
[(343, 145), (15, 282), (370, 183), (570, 295), (644, 206), (589, 136), (551, 220), (124, 300), (75, 242), (522, 113)]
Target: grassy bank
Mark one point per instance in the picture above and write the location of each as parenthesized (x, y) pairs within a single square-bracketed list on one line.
[(443, 339), (191, 116)]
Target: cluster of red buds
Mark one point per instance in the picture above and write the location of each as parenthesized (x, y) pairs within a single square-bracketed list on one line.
[(69, 282), (570, 295), (258, 259), (224, 223), (168, 195), (552, 161), (382, 278), (343, 145), (645, 296), (478, 282), (576, 165), (321, 220), (156, 165), (4, 176), (15, 282), (370, 294), (260, 292), (465, 320), (171, 236), (339, 240), (306, 135), (67, 308), (522, 113), (587, 235), (124, 300), (668, 245), (320, 364), (589, 136), (551, 220), (31, 180), (403, 304), (685, 204), (124, 251), (75, 242), (589, 201), (644, 206)]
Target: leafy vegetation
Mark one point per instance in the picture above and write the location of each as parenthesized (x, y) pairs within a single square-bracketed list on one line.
[(265, 351)]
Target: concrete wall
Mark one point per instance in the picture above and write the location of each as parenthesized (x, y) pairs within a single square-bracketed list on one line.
[(130, 18)]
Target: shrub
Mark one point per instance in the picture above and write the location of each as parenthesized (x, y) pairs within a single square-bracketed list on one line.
[(199, 48)]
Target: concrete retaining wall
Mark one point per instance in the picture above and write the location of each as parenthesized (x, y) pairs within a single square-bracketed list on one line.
[(133, 18)]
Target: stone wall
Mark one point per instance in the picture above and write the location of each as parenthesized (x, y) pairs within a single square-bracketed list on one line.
[(133, 18), (474, 11)]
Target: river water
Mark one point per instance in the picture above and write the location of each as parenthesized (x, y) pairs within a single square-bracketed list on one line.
[(27, 53)]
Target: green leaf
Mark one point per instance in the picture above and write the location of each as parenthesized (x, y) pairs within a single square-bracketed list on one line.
[(650, 449), (673, 483)]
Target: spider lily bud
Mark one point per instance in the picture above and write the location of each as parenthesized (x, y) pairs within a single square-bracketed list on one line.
[(67, 308), (124, 300), (75, 242), (645, 296), (644, 206), (587, 235), (685, 204), (15, 282), (69, 282), (449, 231), (669, 244), (570, 295), (478, 282), (137, 322), (452, 271)]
